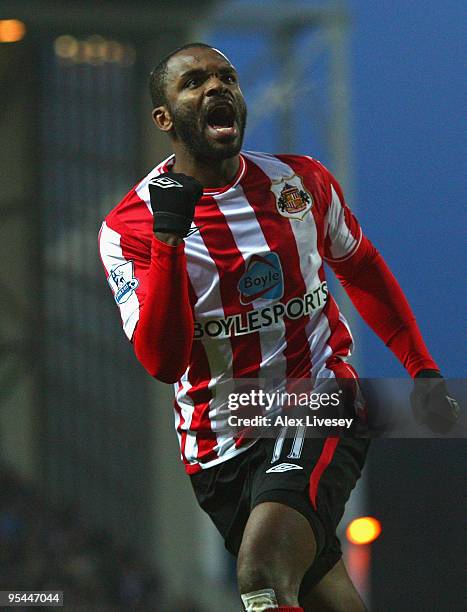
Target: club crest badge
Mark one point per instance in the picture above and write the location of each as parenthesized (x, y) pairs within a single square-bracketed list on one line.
[(292, 199)]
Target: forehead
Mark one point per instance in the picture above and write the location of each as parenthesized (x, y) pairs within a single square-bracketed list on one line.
[(195, 58)]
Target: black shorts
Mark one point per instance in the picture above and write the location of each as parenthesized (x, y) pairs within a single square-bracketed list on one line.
[(317, 483)]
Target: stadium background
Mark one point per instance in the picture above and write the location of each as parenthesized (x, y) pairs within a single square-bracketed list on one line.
[(92, 494)]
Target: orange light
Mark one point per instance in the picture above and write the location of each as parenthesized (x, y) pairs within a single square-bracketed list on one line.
[(11, 30), (363, 530)]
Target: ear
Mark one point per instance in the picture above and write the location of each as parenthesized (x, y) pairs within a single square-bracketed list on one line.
[(162, 119)]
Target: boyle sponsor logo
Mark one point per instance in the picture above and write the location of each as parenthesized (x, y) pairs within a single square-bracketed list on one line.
[(263, 279)]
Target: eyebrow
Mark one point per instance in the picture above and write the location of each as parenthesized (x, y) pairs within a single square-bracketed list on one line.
[(201, 71)]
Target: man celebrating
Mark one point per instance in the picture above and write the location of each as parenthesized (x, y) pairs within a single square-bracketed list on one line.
[(216, 263)]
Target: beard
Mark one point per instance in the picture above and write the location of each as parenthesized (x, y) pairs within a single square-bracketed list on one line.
[(190, 129)]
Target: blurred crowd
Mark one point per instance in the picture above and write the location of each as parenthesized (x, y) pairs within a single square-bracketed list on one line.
[(45, 548)]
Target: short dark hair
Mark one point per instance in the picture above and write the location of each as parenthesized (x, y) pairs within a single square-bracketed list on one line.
[(157, 82)]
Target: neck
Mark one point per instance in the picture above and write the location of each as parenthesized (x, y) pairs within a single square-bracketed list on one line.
[(210, 174)]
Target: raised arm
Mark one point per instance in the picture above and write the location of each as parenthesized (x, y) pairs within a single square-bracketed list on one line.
[(164, 334), (150, 281)]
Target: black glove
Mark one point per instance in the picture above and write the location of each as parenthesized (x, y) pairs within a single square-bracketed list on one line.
[(431, 402), (173, 200)]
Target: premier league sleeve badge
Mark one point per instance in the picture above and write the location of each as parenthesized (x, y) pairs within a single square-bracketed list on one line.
[(123, 282)]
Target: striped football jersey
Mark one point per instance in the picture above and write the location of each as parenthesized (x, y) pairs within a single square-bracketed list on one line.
[(258, 290)]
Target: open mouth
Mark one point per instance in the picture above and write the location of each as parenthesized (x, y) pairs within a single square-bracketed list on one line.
[(221, 121)]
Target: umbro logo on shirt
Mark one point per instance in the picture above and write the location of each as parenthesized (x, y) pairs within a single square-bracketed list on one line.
[(284, 467)]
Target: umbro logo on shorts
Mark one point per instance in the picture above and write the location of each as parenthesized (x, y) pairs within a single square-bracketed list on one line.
[(284, 467), (165, 183)]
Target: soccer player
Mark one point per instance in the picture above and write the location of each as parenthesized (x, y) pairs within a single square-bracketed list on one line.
[(216, 262)]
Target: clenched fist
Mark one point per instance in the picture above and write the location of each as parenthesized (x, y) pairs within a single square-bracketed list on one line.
[(173, 200)]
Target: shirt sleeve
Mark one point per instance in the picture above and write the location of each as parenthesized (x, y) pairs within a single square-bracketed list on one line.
[(150, 285), (126, 260), (343, 232), (372, 287)]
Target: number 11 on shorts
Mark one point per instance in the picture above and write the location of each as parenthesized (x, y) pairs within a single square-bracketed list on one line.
[(297, 444)]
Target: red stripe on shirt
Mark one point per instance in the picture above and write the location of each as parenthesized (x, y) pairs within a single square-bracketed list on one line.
[(133, 213), (219, 240), (200, 422), (340, 339), (199, 376), (317, 181), (297, 352), (221, 245)]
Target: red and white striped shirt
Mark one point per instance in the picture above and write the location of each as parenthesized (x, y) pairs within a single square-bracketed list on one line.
[(257, 287)]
